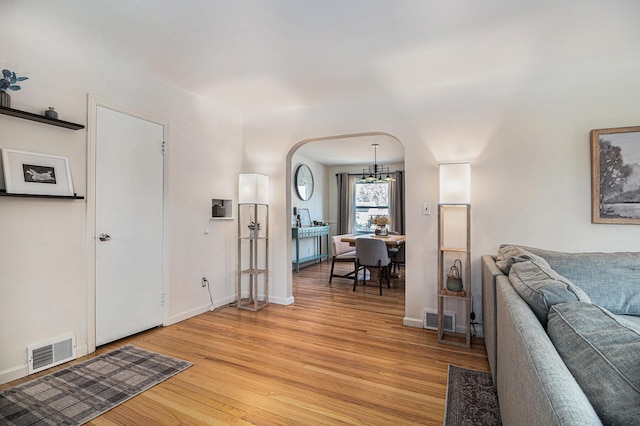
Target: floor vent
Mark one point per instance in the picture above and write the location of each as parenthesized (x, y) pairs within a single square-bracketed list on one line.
[(431, 320), (51, 352)]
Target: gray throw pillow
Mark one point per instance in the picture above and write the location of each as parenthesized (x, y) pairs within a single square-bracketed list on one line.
[(509, 254), (603, 354), (541, 287)]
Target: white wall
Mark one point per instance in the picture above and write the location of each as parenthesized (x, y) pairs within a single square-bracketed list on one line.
[(43, 252), (530, 168)]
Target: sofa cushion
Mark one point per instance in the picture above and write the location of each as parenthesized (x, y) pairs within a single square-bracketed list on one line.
[(612, 280), (541, 287), (634, 319), (509, 254), (603, 354)]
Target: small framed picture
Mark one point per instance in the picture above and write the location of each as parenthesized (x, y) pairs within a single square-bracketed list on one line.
[(305, 217), (36, 174), (615, 175)]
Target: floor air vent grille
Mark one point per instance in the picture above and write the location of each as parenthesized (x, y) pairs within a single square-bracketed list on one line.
[(51, 352), (431, 321)]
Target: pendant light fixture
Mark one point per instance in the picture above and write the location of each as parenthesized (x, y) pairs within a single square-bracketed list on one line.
[(376, 173)]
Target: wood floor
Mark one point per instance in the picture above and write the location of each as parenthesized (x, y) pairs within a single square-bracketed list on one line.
[(333, 357)]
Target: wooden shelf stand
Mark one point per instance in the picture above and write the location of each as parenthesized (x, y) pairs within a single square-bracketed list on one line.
[(253, 257), (448, 337)]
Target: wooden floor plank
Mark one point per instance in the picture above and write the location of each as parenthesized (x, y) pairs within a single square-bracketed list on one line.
[(333, 357)]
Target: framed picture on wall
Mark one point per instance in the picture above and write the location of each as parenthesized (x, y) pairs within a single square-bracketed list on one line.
[(615, 175), (305, 217), (36, 174)]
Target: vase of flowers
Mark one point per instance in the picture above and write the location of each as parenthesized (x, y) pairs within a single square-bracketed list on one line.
[(254, 229), (8, 82), (381, 222)]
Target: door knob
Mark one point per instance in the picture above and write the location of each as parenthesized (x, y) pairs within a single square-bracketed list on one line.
[(104, 237)]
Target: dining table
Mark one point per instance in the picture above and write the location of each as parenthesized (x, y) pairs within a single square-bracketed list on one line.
[(389, 240)]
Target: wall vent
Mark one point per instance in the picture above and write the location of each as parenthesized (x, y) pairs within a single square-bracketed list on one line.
[(431, 320), (52, 352)]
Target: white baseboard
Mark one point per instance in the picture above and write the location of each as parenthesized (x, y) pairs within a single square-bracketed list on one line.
[(13, 373), (413, 322), (199, 310), (282, 301)]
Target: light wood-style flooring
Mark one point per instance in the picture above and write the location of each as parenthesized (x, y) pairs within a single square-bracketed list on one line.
[(333, 357)]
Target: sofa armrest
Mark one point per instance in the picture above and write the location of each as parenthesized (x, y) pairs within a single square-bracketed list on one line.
[(534, 385), (489, 273)]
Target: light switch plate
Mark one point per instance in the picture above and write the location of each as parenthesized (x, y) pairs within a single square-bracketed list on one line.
[(426, 209)]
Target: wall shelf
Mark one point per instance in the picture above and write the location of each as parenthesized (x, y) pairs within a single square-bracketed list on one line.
[(221, 209), (4, 193), (39, 118)]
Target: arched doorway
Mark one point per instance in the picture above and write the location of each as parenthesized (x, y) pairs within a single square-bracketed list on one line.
[(327, 156)]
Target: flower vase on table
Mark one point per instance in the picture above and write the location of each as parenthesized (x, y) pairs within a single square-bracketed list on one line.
[(382, 230), (382, 223)]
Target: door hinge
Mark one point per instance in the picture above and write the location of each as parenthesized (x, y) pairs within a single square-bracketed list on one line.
[(162, 299), (164, 144)]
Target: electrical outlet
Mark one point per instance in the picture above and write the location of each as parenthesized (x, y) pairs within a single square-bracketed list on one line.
[(426, 209), (204, 281)]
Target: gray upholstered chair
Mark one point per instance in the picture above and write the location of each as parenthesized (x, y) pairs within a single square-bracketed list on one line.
[(397, 257), (342, 252), (372, 253)]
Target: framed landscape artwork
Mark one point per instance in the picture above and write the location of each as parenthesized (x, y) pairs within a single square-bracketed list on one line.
[(615, 175), (36, 174)]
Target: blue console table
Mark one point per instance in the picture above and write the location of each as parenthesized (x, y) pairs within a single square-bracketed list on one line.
[(316, 232)]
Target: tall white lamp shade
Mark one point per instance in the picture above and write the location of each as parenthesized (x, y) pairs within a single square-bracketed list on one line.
[(455, 183), (253, 188)]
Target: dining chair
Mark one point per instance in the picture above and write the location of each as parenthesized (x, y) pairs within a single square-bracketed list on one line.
[(341, 252), (372, 253), (397, 257)]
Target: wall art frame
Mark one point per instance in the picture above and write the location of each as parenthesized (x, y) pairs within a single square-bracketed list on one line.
[(34, 173), (615, 175)]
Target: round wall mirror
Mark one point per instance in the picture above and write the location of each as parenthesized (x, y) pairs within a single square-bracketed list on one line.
[(304, 182)]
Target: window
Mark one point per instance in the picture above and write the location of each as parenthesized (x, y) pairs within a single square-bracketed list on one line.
[(371, 199)]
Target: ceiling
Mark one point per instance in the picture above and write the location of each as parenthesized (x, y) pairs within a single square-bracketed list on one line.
[(263, 56), (354, 150), (268, 55)]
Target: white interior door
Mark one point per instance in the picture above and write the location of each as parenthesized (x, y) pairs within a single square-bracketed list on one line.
[(129, 220)]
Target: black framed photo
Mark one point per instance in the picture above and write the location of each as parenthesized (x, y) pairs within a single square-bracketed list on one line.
[(615, 175)]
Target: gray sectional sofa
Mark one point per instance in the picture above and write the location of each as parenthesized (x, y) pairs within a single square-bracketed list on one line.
[(562, 332)]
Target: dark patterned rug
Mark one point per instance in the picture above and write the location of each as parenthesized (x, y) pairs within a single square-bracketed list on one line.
[(471, 398), (79, 393)]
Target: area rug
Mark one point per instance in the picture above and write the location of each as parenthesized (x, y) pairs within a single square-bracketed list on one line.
[(77, 394), (471, 398)]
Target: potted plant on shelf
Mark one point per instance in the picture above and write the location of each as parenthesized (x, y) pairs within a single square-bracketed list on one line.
[(8, 82), (381, 222), (254, 229)]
